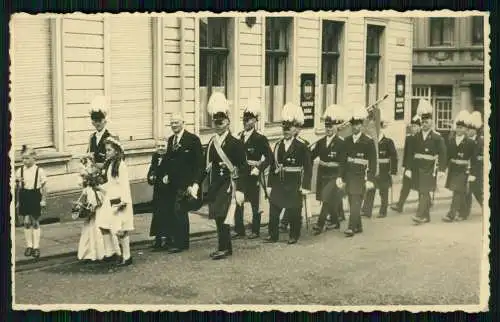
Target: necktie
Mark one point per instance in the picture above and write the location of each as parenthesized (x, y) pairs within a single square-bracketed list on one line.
[(175, 140)]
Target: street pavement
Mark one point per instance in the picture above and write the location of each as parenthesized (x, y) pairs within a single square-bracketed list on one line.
[(61, 239), (393, 262)]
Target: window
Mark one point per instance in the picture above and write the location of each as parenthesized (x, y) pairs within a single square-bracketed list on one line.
[(477, 93), (214, 52), (372, 63), (131, 40), (418, 93), (477, 30), (442, 31), (277, 42), (332, 32), (32, 103)]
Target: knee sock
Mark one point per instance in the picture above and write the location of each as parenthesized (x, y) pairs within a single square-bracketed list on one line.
[(28, 236), (36, 238), (125, 242)]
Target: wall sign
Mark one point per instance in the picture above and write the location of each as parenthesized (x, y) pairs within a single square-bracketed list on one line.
[(307, 95), (399, 97)]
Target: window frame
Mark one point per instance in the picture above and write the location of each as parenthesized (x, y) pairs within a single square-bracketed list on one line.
[(379, 57), (477, 22), (272, 56), (211, 53), (330, 59), (441, 25)]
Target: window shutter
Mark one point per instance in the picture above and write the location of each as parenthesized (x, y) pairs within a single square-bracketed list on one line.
[(31, 96), (131, 61)]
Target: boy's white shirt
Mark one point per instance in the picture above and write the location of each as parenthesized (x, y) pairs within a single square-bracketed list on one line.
[(29, 177)]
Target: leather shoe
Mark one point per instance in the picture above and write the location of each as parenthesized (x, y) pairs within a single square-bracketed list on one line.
[(221, 254), (124, 263), (447, 218), (397, 209), (349, 233), (270, 240), (174, 250), (292, 241), (253, 236), (237, 236)]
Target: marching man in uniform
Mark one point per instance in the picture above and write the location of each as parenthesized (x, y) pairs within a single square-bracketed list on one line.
[(360, 169), (461, 154), (476, 186), (406, 186), (332, 156), (426, 157), (259, 155), (289, 176), (227, 167), (388, 167)]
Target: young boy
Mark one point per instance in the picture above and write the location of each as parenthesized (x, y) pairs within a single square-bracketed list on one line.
[(31, 181)]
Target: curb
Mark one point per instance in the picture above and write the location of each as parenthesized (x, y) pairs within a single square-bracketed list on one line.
[(24, 262)]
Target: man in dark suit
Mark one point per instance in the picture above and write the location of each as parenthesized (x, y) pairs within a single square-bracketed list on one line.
[(183, 166), (461, 153), (388, 167), (476, 185), (360, 169), (427, 159), (406, 186), (289, 176), (332, 157), (258, 154), (227, 168), (156, 175), (98, 113)]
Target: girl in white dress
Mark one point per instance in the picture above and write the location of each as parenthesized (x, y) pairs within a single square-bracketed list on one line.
[(118, 215)]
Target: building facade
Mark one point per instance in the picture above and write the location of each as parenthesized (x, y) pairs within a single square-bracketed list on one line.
[(448, 66), (153, 66)]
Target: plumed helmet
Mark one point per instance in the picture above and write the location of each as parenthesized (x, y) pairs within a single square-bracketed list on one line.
[(99, 107), (218, 105), (336, 114), (293, 114)]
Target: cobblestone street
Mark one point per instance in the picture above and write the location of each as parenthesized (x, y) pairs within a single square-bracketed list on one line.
[(392, 262)]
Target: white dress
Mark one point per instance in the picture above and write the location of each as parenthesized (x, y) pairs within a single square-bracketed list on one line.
[(108, 216)]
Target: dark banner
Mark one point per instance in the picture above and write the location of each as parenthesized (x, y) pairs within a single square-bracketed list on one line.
[(399, 98), (307, 94)]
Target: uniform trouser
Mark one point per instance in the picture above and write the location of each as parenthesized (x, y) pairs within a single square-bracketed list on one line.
[(331, 209), (370, 197), (424, 205), (459, 205), (405, 191), (476, 189), (294, 217), (223, 235), (179, 224), (355, 201), (239, 226)]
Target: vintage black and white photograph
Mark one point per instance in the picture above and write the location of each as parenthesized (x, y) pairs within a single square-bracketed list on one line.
[(313, 161)]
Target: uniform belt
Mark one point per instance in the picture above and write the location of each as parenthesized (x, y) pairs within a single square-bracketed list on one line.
[(424, 156), (459, 162), (291, 169), (253, 163), (384, 160), (329, 164), (357, 161)]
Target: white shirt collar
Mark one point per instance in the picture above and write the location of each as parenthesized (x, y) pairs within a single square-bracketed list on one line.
[(222, 137), (474, 138), (356, 136), (179, 135), (459, 139)]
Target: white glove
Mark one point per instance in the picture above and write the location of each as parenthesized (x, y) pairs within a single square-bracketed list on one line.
[(408, 173), (441, 174), (165, 179), (472, 178), (240, 198), (254, 172), (269, 191), (339, 183), (304, 191), (369, 185), (193, 190), (43, 203)]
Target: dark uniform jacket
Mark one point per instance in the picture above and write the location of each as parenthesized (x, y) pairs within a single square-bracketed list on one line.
[(289, 172), (388, 162), (477, 163), (406, 150), (98, 150), (159, 223), (155, 171), (460, 159), (422, 160), (219, 192), (360, 165), (256, 147), (331, 162)]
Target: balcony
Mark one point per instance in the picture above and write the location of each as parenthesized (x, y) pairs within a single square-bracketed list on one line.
[(448, 58)]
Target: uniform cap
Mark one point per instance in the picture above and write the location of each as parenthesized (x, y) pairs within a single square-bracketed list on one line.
[(253, 107), (218, 104), (292, 113), (99, 107), (336, 114)]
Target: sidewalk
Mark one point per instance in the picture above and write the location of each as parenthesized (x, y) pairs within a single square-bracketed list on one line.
[(61, 239)]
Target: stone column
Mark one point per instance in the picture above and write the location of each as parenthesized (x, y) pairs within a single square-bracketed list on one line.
[(465, 98)]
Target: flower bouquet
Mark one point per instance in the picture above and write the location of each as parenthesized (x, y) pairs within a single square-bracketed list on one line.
[(91, 197)]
